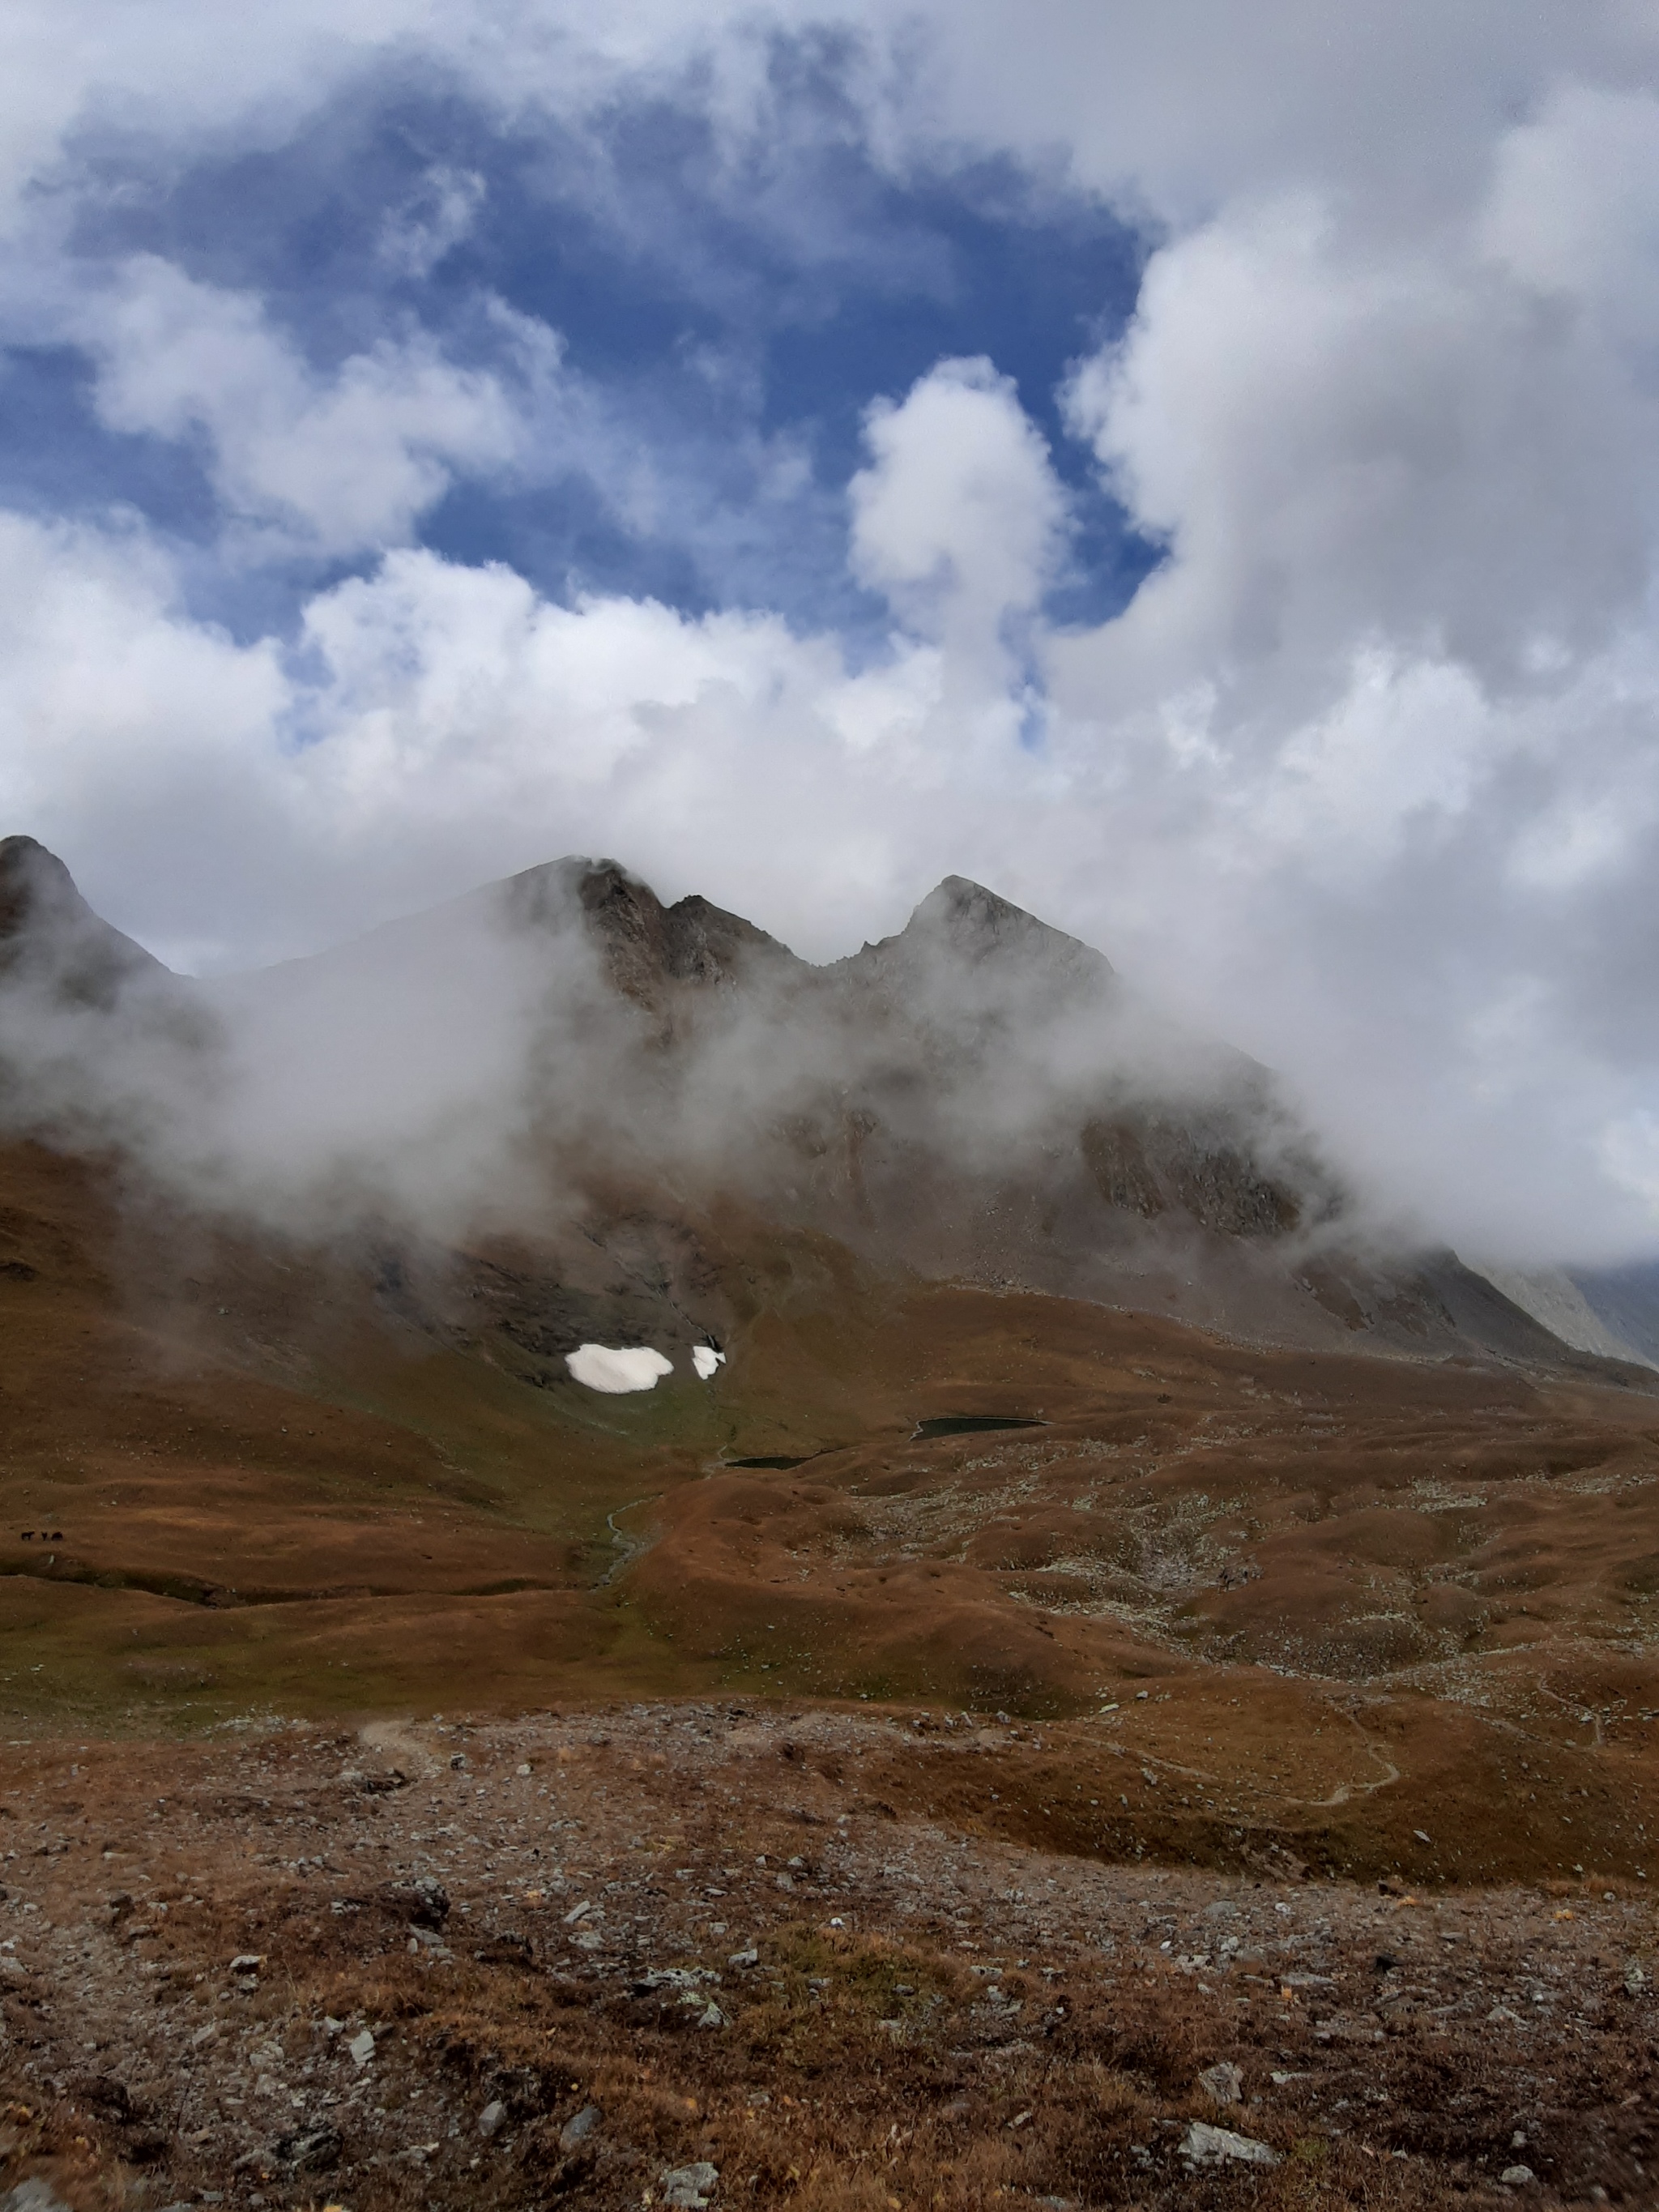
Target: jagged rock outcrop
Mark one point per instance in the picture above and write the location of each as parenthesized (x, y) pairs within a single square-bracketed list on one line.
[(645, 947)]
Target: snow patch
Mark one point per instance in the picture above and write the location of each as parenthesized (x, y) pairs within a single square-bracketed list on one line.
[(706, 1359), (603, 1367)]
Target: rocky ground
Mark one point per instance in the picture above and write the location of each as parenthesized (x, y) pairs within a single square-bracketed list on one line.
[(735, 1955)]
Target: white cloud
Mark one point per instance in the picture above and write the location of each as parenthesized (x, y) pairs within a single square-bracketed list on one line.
[(1175, 108), (415, 237), (724, 753), (1339, 444), (1372, 747), (341, 460), (1573, 208), (440, 726), (1187, 108), (1630, 1152), (134, 733), (960, 521), (958, 518)]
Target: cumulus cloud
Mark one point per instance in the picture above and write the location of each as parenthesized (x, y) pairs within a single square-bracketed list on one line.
[(1333, 442), (958, 516), (342, 459), (960, 522)]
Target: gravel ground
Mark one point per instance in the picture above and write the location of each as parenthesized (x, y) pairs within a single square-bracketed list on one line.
[(578, 1958)]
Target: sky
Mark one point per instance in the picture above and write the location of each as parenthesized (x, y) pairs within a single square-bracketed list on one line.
[(1195, 470)]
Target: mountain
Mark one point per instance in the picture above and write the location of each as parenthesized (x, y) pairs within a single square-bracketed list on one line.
[(563, 1059), (985, 1341), (1610, 1312)]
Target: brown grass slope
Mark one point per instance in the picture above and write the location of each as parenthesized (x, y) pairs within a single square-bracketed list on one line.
[(1334, 1605)]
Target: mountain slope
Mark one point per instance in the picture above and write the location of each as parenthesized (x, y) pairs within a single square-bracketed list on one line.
[(51, 941), (291, 1266)]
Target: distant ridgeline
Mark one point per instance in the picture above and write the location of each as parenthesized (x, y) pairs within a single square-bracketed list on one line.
[(562, 1062)]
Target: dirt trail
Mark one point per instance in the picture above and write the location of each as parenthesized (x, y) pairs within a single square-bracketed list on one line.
[(1344, 1790)]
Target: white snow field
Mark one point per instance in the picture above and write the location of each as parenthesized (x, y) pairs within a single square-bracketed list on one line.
[(706, 1359), (603, 1367)]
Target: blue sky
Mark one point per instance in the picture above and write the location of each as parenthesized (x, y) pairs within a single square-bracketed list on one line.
[(1195, 469), (719, 314)]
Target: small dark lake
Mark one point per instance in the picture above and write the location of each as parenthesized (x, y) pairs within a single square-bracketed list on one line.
[(966, 1424)]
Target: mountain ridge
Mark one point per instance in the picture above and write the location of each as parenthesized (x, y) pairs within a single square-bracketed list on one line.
[(978, 1096)]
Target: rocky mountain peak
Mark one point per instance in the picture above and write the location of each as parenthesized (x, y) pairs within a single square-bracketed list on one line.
[(969, 948), (646, 947), (50, 937), (978, 925), (34, 887)]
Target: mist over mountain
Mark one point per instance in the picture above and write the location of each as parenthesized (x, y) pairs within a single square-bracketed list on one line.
[(560, 1058)]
